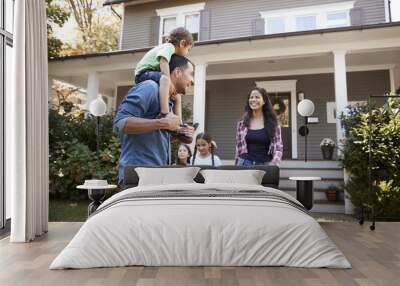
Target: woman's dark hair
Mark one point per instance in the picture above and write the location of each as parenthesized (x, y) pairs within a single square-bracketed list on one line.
[(270, 118), (209, 140), (189, 153), (180, 34)]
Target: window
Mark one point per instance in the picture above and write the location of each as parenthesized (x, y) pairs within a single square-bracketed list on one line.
[(275, 25), (305, 23), (9, 13), (187, 16), (338, 19), (6, 43), (192, 24), (308, 18), (168, 24)]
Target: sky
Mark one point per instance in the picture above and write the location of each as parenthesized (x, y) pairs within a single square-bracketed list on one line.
[(67, 32)]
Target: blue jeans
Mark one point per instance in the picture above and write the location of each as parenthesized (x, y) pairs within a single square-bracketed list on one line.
[(246, 162), (148, 75)]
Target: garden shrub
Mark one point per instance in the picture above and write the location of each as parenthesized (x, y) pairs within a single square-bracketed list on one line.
[(381, 126), (72, 153)]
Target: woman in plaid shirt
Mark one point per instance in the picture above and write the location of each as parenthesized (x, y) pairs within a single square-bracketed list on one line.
[(258, 135)]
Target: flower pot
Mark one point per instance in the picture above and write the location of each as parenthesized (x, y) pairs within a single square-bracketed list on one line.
[(327, 152), (332, 195)]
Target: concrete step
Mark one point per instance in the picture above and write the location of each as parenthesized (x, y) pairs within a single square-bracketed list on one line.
[(319, 195), (300, 164), (328, 207), (285, 183), (318, 164), (323, 173)]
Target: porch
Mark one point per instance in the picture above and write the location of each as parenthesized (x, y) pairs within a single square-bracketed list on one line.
[(331, 69)]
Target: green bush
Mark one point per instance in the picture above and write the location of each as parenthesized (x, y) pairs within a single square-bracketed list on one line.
[(381, 127), (72, 148)]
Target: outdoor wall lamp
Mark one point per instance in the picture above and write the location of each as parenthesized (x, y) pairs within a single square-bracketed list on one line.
[(305, 108)]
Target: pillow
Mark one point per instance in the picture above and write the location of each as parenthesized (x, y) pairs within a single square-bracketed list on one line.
[(249, 177), (166, 176)]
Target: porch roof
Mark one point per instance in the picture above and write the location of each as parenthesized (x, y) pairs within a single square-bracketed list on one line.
[(111, 2), (236, 39)]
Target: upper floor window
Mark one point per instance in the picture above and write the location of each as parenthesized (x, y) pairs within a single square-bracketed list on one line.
[(307, 22), (308, 18), (187, 16), (275, 25), (338, 19)]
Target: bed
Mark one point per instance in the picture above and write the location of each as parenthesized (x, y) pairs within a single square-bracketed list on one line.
[(201, 224)]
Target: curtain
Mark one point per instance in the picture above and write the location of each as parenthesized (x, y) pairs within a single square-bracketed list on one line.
[(27, 124)]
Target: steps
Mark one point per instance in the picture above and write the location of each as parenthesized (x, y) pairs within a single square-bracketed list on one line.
[(330, 172)]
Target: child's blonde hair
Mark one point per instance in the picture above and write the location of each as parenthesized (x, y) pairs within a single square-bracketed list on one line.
[(180, 34)]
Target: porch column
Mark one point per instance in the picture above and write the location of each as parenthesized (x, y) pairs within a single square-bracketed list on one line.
[(340, 92), (92, 88), (341, 103), (50, 89), (199, 97), (395, 78)]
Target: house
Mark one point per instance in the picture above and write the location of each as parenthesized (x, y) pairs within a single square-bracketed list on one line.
[(333, 52), (247, 236)]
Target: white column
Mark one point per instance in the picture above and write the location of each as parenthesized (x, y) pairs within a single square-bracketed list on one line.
[(395, 78), (341, 103), (92, 88), (340, 91), (51, 91), (199, 97)]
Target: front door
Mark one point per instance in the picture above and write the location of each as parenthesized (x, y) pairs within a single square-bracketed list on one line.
[(281, 104)]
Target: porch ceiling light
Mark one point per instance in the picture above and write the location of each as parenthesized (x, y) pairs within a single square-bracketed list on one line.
[(305, 107), (98, 107)]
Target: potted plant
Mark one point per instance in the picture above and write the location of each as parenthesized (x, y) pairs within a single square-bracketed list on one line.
[(327, 146), (332, 193)]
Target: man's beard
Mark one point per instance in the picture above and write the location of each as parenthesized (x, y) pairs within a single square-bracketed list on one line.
[(181, 90)]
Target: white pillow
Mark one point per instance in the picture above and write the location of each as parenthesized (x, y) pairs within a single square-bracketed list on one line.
[(166, 176), (249, 177)]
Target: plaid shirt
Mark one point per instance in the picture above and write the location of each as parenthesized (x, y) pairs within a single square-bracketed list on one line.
[(275, 148)]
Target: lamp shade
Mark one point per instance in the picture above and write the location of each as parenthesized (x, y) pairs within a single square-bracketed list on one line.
[(98, 107), (305, 107)]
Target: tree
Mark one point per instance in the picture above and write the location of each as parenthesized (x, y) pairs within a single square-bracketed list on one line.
[(56, 15), (98, 30), (83, 11)]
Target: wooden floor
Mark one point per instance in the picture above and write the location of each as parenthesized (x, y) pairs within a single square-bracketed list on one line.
[(375, 257)]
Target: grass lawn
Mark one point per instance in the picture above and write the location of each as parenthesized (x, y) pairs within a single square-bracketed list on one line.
[(64, 210)]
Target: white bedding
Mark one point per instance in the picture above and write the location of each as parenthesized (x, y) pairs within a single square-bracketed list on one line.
[(188, 231)]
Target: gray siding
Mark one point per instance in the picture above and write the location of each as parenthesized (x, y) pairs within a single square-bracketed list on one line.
[(228, 18), (226, 99), (373, 11)]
